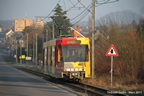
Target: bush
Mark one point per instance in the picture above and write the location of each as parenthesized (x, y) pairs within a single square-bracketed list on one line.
[(130, 47)]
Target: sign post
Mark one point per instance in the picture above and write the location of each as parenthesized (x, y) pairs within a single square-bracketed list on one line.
[(111, 52), (111, 68)]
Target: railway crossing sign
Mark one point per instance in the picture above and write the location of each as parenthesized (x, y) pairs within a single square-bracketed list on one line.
[(111, 52)]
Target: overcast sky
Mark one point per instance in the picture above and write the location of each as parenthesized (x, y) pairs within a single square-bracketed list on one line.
[(18, 8)]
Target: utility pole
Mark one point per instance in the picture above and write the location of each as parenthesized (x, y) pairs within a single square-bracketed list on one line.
[(36, 49), (36, 35), (36, 42), (46, 35), (93, 28), (42, 48), (27, 49), (16, 49), (21, 52), (53, 29), (33, 48)]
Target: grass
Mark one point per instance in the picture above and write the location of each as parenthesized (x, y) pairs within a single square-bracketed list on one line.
[(105, 82)]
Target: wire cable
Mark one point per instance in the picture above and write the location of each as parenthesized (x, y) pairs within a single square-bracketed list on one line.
[(64, 5), (89, 7), (73, 6), (106, 2), (81, 13), (47, 15), (52, 10), (81, 18), (71, 2)]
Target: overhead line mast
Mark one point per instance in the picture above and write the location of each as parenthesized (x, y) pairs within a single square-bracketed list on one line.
[(93, 28)]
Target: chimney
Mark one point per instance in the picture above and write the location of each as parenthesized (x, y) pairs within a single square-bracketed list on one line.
[(77, 27)]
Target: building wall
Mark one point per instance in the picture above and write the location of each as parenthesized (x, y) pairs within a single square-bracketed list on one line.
[(0, 29), (75, 34), (19, 25), (38, 23)]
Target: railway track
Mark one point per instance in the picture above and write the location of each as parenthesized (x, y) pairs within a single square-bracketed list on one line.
[(76, 86), (79, 87)]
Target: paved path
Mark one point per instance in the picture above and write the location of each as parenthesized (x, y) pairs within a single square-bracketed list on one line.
[(14, 82)]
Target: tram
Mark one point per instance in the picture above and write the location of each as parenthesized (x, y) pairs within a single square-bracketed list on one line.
[(67, 58)]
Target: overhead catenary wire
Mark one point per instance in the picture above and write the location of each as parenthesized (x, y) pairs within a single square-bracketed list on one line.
[(64, 5), (81, 18), (41, 20), (106, 2), (73, 5), (46, 16), (83, 14), (89, 7), (52, 10), (65, 8), (71, 2)]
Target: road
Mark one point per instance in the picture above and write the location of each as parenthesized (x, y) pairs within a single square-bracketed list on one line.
[(14, 82)]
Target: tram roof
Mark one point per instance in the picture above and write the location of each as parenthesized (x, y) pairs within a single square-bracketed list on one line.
[(68, 38)]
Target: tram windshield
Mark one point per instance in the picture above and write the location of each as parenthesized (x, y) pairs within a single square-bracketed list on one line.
[(73, 53)]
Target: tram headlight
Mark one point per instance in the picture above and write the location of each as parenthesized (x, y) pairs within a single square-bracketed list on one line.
[(80, 69), (72, 69), (76, 69), (67, 69)]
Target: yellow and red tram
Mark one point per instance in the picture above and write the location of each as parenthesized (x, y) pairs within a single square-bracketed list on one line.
[(67, 58)]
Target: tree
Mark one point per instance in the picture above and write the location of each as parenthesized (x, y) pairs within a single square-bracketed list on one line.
[(59, 13), (134, 24), (48, 28), (58, 19), (140, 28), (27, 30)]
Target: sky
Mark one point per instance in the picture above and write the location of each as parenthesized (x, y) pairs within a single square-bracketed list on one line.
[(18, 8)]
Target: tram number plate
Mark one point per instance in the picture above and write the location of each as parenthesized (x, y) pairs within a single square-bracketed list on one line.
[(80, 64)]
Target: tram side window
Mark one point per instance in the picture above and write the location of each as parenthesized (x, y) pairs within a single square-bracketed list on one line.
[(43, 55), (60, 56), (49, 56), (53, 55)]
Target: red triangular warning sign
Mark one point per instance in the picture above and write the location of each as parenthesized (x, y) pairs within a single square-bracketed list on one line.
[(112, 51)]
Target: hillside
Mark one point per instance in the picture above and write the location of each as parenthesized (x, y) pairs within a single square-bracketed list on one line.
[(126, 16)]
